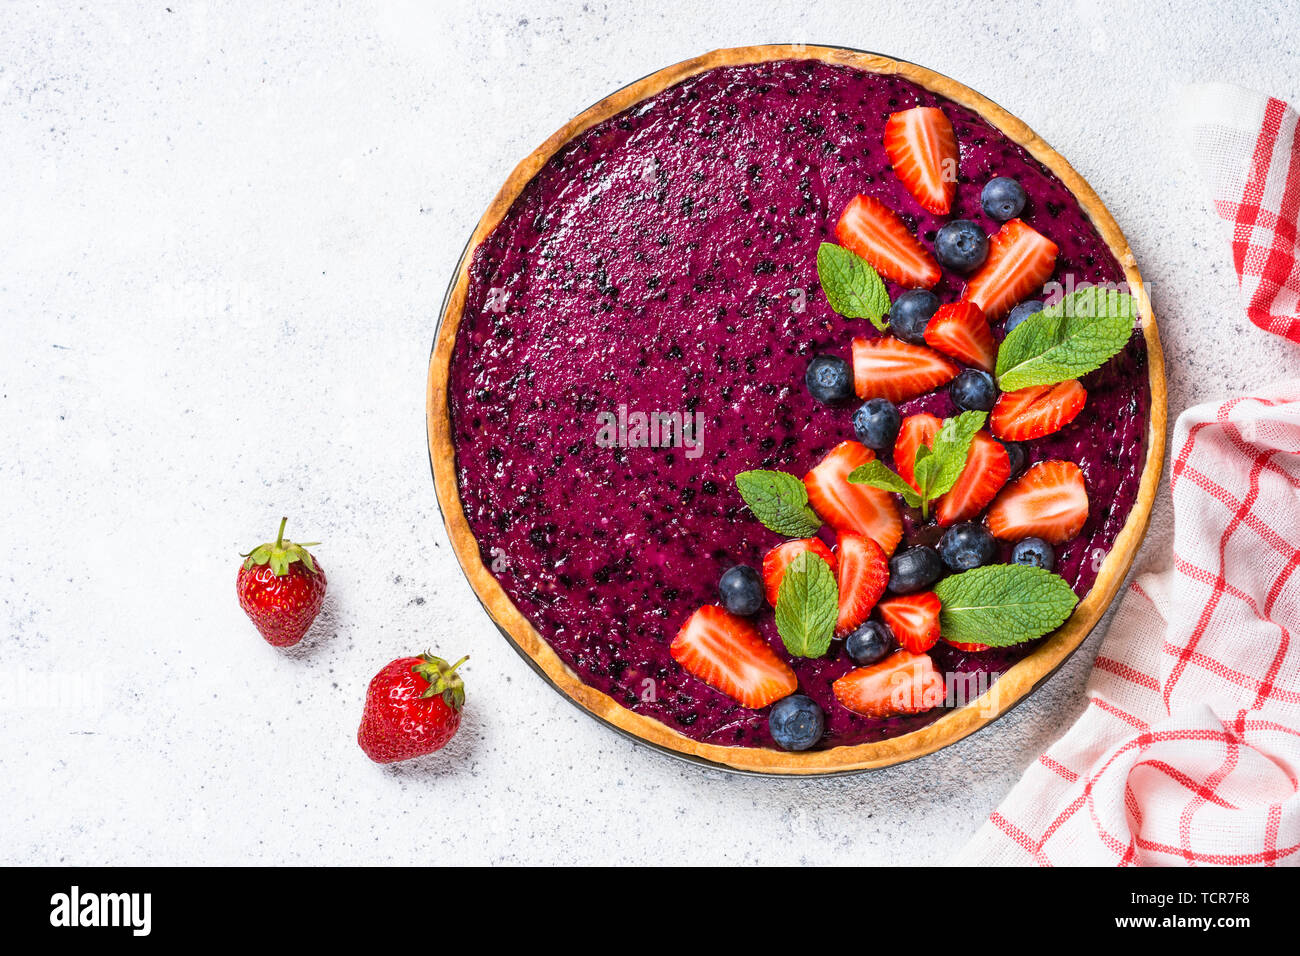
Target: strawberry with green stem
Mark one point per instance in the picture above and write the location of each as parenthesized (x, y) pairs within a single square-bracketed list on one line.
[(281, 587), (413, 708)]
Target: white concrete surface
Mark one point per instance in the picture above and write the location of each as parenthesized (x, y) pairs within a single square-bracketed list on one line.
[(225, 230)]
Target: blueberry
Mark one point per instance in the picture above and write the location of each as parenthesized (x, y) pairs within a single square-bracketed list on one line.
[(1017, 455), (1003, 198), (741, 590), (966, 546), (961, 246), (914, 569), (911, 313), (973, 390), (796, 722), (876, 423), (829, 379), (1034, 552), (869, 643), (1021, 312)]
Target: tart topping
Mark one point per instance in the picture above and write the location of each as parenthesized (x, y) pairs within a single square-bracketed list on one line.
[(966, 546), (872, 230), (780, 557), (936, 465), (914, 570), (903, 683), (869, 643), (796, 722), (1034, 552), (914, 619), (1066, 340), (1003, 604), (922, 147), (806, 606), (911, 313), (728, 654), (779, 501), (916, 430), (829, 379), (1049, 501), (1003, 198), (960, 330), (961, 245), (1020, 260), (987, 469), (1037, 410), (741, 590), (852, 287), (876, 423), (862, 576), (973, 390), (850, 506), (896, 370)]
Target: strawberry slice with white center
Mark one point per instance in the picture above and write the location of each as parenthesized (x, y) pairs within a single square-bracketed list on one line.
[(862, 576), (1049, 501), (728, 654), (988, 466), (850, 507), (903, 683), (922, 147), (959, 329), (1020, 260), (914, 619), (897, 370), (778, 559), (916, 430), (872, 230), (1038, 410)]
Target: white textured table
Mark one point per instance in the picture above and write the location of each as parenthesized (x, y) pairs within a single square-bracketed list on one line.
[(224, 236)]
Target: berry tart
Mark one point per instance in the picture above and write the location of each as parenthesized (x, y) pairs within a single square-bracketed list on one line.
[(796, 410)]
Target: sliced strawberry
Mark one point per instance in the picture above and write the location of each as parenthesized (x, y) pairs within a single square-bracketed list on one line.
[(1037, 411), (728, 654), (862, 576), (849, 507), (959, 329), (1049, 501), (970, 648), (903, 683), (916, 430), (988, 466), (914, 619), (1020, 260), (897, 370), (873, 230), (778, 559), (922, 147)]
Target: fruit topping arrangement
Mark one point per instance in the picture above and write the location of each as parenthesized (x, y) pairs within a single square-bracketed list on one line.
[(894, 535)]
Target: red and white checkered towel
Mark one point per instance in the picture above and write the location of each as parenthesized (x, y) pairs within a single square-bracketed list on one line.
[(1189, 749)]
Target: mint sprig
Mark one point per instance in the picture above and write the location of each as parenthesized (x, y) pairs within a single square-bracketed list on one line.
[(779, 501), (853, 288), (935, 469), (1066, 340), (807, 606), (1003, 604)]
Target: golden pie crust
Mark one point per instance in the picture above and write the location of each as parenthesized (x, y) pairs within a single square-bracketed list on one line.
[(1012, 686)]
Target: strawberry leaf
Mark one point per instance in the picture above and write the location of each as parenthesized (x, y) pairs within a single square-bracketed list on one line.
[(807, 606), (1003, 604), (1080, 333), (853, 288), (780, 501)]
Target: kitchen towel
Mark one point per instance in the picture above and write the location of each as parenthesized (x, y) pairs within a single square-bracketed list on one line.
[(1188, 751)]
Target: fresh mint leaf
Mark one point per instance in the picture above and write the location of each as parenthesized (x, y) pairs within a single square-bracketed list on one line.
[(939, 470), (780, 501), (807, 605), (1066, 340), (853, 288), (877, 475), (1003, 604)]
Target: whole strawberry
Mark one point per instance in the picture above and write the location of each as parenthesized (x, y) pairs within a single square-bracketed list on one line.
[(412, 708), (281, 588)]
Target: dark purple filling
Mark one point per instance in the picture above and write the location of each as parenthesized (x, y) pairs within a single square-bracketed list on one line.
[(658, 262)]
